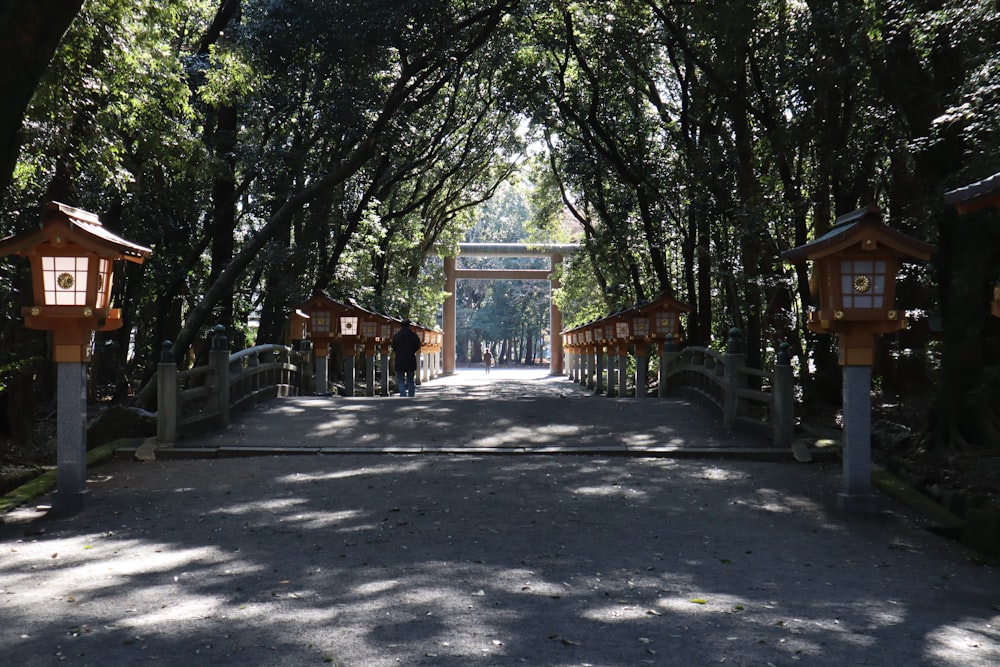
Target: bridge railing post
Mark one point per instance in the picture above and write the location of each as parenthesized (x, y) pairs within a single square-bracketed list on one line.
[(668, 353), (621, 372), (306, 383), (641, 368), (735, 380), (598, 385), (383, 372), (370, 354), (167, 414), (218, 376), (783, 398)]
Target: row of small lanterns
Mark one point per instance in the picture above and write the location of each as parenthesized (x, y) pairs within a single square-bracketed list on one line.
[(655, 321), (351, 324)]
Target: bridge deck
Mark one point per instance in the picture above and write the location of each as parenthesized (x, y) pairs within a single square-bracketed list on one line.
[(507, 411)]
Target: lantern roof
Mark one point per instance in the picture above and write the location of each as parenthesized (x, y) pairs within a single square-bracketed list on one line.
[(975, 196), (663, 300), (863, 228), (320, 299), (73, 225)]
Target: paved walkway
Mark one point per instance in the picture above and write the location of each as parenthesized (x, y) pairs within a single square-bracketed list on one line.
[(484, 560), (507, 411)]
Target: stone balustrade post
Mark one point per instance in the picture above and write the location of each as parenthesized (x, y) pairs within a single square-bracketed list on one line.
[(668, 353), (167, 413), (307, 382), (218, 377), (623, 372), (599, 377), (349, 369), (384, 373), (735, 379), (641, 368), (370, 354), (609, 360), (783, 397)]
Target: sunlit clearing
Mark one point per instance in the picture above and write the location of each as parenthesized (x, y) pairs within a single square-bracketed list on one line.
[(619, 613), (287, 408), (261, 506), (300, 477), (516, 436), (950, 644), (699, 604), (606, 491), (771, 500), (94, 570), (184, 611), (376, 587), (721, 475)]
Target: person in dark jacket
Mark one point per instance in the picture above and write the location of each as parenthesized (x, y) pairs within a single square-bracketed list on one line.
[(406, 345)]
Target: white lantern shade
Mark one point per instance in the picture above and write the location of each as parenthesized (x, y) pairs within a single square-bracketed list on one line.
[(348, 325)]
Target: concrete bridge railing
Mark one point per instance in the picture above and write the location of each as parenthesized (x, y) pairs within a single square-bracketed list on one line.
[(725, 380), (207, 397)]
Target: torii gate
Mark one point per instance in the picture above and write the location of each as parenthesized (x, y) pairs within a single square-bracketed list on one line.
[(554, 251)]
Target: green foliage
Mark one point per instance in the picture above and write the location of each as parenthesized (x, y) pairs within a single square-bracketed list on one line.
[(686, 144)]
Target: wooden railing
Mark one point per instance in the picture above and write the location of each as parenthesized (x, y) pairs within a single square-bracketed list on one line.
[(725, 381), (206, 397)]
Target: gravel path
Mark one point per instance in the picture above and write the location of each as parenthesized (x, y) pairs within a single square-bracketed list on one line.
[(379, 560), (374, 561)]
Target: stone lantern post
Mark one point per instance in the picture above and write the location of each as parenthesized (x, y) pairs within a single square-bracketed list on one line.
[(72, 260), (854, 277)]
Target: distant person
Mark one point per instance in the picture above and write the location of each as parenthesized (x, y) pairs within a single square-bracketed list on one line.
[(487, 360), (406, 345)]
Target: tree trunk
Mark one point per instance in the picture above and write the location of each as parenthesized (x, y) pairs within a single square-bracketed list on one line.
[(29, 35)]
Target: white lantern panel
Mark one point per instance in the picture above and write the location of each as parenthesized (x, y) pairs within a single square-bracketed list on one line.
[(65, 280), (665, 323), (348, 326), (862, 283), (321, 322)]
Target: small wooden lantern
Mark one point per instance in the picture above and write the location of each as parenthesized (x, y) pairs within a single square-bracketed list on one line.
[(640, 327), (72, 259), (855, 276), (349, 328), (664, 312), (385, 332), (321, 310)]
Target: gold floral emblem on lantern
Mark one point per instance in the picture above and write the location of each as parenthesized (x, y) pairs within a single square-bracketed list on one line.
[(64, 280), (862, 284)]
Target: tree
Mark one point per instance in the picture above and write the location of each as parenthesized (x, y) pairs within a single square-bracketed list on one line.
[(30, 34)]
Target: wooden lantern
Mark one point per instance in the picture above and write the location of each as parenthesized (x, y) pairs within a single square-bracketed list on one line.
[(322, 322), (664, 313), (72, 259), (854, 277)]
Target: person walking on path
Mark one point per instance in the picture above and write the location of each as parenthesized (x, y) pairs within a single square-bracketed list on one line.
[(406, 345), (487, 360)]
